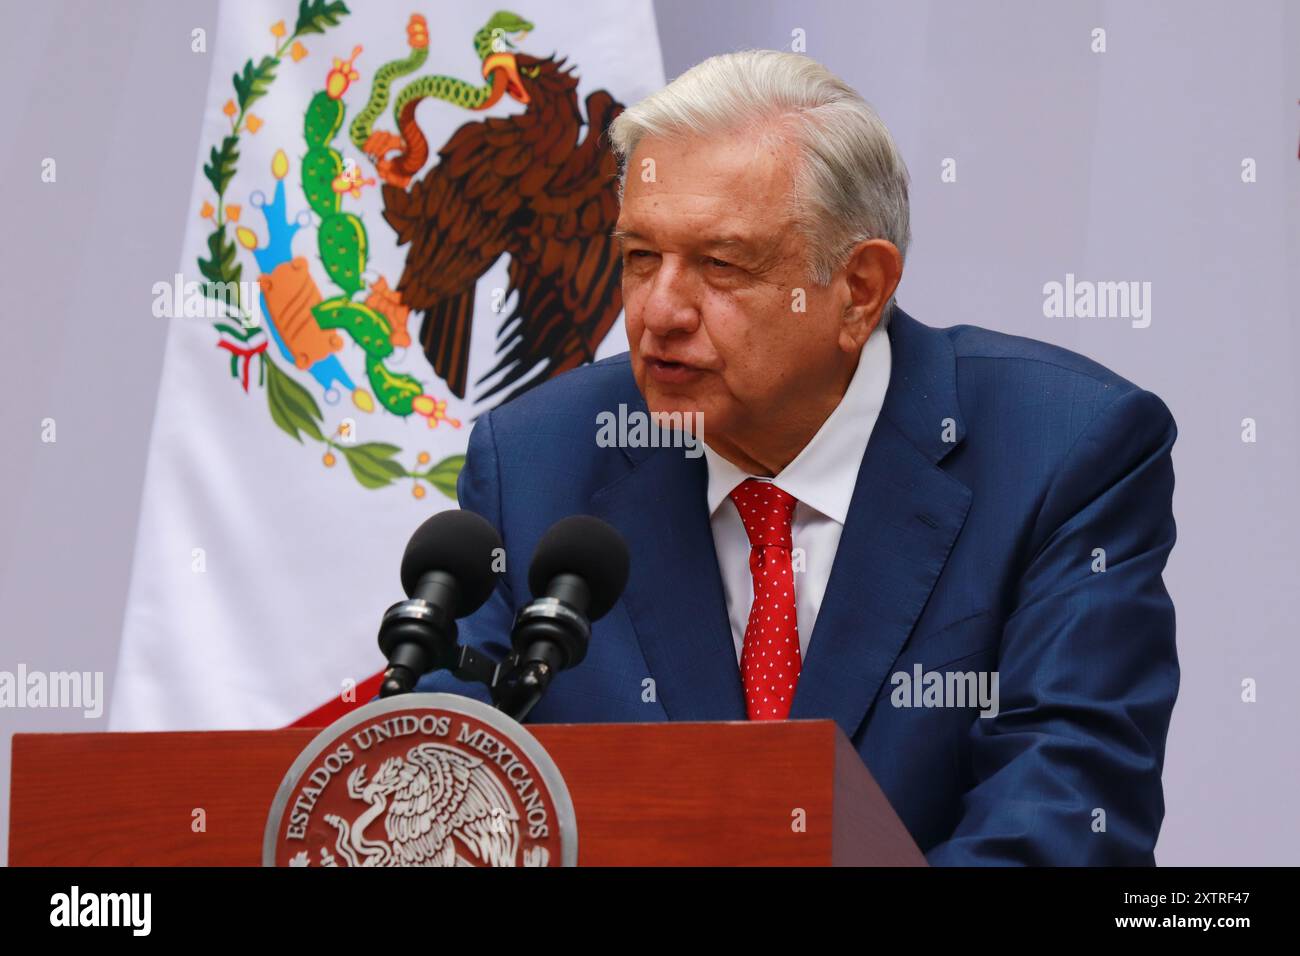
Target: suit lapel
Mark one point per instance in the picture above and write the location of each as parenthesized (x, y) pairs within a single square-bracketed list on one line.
[(674, 594), (905, 515)]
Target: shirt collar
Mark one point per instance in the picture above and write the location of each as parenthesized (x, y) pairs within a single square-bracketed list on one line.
[(825, 472)]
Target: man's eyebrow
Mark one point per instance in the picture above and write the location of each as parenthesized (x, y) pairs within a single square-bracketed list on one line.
[(721, 242)]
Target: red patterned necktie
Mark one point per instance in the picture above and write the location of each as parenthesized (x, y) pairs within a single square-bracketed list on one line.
[(769, 660)]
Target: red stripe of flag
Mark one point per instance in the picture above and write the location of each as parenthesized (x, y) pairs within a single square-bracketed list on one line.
[(336, 706)]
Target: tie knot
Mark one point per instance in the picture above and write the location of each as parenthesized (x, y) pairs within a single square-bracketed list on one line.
[(766, 512)]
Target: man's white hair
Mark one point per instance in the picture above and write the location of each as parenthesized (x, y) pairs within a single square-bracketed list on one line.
[(850, 183)]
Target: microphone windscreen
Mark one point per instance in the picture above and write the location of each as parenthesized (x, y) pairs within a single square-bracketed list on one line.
[(461, 543), (589, 548)]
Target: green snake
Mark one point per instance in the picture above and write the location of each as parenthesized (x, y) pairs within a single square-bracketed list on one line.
[(491, 42)]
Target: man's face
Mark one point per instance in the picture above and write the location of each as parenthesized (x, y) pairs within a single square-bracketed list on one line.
[(714, 281)]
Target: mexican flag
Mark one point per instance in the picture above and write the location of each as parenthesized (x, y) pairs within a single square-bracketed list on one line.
[(399, 220)]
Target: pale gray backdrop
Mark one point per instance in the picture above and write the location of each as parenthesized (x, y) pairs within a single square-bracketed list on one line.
[(1116, 166)]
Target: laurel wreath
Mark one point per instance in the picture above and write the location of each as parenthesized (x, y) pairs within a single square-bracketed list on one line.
[(292, 406)]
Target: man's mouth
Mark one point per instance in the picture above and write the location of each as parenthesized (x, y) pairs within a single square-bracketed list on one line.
[(671, 373)]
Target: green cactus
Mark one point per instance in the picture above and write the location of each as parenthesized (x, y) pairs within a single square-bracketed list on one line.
[(323, 119), (344, 249), (367, 327), (320, 167), (394, 390), (342, 243)]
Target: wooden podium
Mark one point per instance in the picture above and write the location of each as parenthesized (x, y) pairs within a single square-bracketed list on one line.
[(665, 794)]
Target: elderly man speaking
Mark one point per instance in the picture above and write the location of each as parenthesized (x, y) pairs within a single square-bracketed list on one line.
[(880, 504)]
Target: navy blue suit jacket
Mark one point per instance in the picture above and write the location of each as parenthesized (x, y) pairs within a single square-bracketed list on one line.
[(997, 468)]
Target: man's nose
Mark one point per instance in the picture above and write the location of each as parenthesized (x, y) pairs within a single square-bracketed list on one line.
[(671, 305)]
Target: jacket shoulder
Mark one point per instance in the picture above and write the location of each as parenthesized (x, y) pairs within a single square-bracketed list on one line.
[(1062, 392), (1025, 356), (572, 399)]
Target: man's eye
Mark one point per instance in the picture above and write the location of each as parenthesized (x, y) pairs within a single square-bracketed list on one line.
[(718, 263)]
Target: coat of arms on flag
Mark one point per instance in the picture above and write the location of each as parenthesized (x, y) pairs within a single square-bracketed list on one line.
[(530, 186)]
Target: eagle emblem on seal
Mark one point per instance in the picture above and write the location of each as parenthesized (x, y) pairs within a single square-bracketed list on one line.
[(440, 807)]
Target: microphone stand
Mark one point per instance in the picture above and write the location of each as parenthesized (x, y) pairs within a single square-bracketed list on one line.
[(515, 689)]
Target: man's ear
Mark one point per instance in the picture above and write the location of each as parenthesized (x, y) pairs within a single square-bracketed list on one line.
[(872, 274)]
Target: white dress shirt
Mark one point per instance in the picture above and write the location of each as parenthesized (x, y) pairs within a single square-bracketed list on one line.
[(822, 477)]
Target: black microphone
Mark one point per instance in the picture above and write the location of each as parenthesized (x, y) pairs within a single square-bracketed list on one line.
[(447, 572), (579, 570)]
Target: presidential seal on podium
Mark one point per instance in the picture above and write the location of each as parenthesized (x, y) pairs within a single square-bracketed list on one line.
[(422, 780)]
